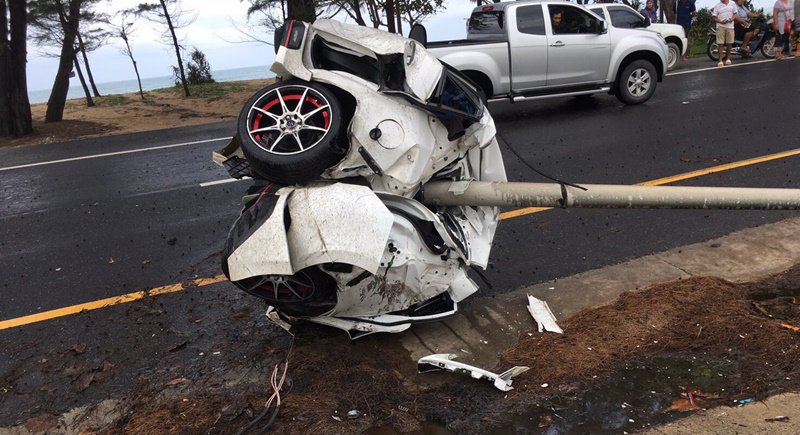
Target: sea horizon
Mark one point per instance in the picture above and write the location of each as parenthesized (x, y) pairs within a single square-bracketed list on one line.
[(150, 83)]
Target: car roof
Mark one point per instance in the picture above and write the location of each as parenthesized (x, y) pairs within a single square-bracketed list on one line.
[(503, 5)]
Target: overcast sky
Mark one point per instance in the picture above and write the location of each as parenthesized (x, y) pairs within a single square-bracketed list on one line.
[(211, 33)]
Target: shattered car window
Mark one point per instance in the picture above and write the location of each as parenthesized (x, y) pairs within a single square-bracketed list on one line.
[(456, 103)]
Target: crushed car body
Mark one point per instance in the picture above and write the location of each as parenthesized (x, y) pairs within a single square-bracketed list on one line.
[(332, 230)]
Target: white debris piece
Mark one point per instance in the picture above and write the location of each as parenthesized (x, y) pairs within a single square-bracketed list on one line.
[(545, 320), (443, 361)]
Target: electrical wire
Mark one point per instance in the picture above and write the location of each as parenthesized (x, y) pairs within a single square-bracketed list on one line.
[(524, 162), (276, 385)]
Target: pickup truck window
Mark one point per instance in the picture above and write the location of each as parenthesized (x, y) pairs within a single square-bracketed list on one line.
[(625, 18), (486, 23), (530, 20), (573, 20)]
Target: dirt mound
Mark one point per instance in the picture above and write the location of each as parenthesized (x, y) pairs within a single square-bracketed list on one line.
[(705, 314)]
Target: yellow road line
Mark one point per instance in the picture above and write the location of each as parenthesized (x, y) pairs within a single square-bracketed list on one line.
[(674, 178), (103, 303), (200, 282)]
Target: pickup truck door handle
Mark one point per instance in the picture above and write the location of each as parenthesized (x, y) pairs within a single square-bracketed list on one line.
[(557, 44)]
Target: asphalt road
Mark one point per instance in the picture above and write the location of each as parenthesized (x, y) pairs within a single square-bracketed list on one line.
[(86, 229)]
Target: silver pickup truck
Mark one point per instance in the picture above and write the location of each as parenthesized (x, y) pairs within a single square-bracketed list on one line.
[(515, 50)]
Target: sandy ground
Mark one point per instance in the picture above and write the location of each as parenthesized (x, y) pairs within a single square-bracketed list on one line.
[(128, 113)]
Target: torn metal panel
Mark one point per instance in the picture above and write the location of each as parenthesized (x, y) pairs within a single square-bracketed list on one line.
[(545, 320), (443, 361)]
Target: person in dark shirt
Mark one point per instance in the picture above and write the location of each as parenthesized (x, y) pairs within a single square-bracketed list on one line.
[(684, 11)]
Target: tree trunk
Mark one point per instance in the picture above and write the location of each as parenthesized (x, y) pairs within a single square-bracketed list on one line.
[(177, 48), (89, 101), (668, 9), (388, 7), (15, 108), (58, 95), (303, 10), (135, 69), (399, 14), (86, 63)]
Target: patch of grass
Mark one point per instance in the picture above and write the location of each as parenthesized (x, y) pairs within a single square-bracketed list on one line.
[(206, 90), (697, 45), (111, 100)]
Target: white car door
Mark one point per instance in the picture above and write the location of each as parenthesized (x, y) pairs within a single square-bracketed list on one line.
[(576, 52)]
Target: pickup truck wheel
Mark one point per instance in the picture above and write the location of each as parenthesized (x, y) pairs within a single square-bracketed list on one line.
[(673, 54), (292, 131), (637, 82)]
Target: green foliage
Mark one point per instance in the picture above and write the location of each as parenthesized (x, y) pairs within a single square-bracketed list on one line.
[(199, 68)]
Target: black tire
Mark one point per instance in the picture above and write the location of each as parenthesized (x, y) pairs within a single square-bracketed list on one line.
[(292, 131), (308, 293), (637, 83), (673, 54), (712, 49), (768, 47)]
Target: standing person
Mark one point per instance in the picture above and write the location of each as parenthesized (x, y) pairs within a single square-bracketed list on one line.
[(649, 11), (724, 13), (684, 11), (780, 16)]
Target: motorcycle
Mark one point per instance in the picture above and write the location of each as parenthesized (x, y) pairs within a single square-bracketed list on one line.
[(763, 40), (333, 230)]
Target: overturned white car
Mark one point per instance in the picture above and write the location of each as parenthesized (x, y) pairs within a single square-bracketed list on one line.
[(333, 230)]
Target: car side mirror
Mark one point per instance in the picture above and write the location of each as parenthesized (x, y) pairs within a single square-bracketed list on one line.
[(646, 22), (602, 27)]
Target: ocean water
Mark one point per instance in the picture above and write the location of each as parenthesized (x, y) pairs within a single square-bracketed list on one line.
[(125, 86)]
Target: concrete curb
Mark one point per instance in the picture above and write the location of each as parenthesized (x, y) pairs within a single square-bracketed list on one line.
[(486, 327)]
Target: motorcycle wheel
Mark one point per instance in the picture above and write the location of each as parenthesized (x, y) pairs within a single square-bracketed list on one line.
[(768, 48), (673, 54), (292, 131), (712, 49), (637, 83)]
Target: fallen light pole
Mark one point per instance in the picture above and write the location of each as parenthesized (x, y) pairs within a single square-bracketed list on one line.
[(515, 194)]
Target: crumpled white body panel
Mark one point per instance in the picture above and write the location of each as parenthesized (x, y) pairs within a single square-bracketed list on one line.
[(330, 223), (337, 223)]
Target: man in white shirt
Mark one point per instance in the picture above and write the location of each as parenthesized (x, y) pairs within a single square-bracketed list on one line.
[(724, 13)]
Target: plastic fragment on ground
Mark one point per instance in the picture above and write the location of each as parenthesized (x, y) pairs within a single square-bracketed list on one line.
[(540, 311), (443, 361)]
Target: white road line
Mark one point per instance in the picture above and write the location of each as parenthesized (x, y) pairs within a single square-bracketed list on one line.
[(718, 68), (225, 181), (96, 156)]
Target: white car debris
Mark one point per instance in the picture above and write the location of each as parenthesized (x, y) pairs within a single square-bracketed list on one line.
[(540, 311), (333, 231), (443, 361)]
